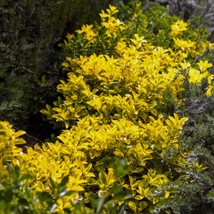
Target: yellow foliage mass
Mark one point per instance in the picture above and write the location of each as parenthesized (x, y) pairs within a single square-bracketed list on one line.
[(109, 111)]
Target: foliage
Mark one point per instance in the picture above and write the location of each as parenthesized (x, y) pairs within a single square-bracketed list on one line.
[(29, 57), (9, 152), (118, 151), (17, 197), (199, 12), (178, 54), (72, 174), (23, 52), (115, 96), (198, 133)]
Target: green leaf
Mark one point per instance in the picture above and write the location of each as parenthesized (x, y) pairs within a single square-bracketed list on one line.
[(8, 195), (143, 205), (67, 211), (25, 177), (45, 197), (64, 181), (52, 183), (24, 202), (122, 195), (10, 170), (14, 173), (62, 186), (103, 177)]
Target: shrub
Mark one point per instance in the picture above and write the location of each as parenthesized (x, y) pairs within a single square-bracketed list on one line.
[(9, 139), (109, 101), (118, 152), (179, 54)]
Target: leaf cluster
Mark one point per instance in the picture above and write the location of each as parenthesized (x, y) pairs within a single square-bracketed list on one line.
[(120, 150)]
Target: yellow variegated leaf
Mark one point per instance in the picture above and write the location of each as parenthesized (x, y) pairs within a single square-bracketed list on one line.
[(20, 141), (133, 206), (19, 133), (119, 153)]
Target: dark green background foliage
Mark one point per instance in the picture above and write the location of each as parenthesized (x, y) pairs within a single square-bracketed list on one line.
[(29, 30), (198, 134)]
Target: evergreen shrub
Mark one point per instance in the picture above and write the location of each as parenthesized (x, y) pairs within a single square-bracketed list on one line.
[(118, 151)]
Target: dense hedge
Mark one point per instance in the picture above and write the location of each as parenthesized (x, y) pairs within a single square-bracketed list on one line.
[(31, 59), (121, 112)]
